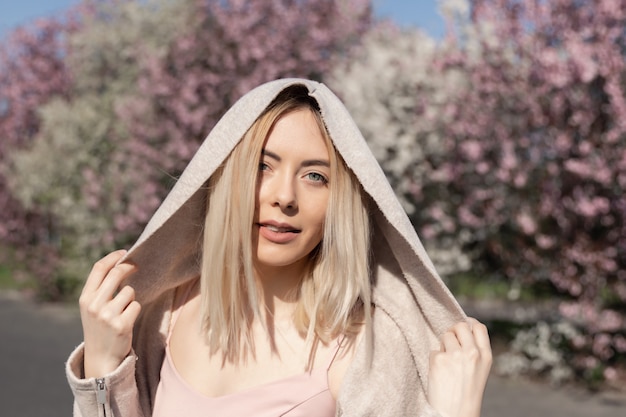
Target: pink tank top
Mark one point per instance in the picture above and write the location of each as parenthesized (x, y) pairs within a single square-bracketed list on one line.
[(301, 395)]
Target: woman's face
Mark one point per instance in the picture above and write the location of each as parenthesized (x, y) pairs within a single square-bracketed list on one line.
[(292, 192)]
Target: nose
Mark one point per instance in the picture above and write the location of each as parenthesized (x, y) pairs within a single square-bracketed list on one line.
[(285, 195)]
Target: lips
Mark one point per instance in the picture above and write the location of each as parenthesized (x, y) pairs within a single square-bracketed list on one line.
[(280, 229), (278, 232)]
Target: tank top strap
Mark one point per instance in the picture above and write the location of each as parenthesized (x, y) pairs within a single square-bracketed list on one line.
[(179, 303), (334, 354)]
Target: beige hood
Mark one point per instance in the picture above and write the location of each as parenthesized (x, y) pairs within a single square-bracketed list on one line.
[(412, 305)]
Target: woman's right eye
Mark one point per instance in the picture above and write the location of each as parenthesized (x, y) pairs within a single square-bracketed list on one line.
[(263, 166)]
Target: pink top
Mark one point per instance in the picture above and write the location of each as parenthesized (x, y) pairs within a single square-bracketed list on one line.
[(301, 395)]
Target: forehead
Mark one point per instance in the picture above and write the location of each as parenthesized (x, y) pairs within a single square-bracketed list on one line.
[(297, 132)]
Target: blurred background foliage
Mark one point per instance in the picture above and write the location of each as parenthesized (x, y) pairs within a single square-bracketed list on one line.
[(505, 141)]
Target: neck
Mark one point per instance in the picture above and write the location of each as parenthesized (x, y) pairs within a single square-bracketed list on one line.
[(279, 288)]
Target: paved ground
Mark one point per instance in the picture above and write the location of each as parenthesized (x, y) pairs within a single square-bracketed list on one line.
[(36, 340)]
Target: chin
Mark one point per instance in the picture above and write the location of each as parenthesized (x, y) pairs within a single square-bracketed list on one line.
[(274, 260)]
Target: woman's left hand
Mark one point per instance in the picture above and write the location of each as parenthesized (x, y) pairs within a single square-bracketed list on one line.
[(459, 371)]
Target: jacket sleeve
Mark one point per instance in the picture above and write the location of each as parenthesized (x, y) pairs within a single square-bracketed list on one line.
[(114, 395)]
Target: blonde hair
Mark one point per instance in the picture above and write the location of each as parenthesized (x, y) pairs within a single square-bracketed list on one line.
[(334, 298)]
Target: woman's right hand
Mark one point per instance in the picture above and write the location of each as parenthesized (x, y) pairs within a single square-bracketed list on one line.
[(107, 315)]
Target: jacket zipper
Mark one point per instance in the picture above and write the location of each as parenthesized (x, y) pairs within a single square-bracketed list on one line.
[(101, 394)]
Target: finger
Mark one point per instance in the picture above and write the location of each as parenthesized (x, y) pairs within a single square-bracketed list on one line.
[(464, 335), (120, 302), (130, 314), (449, 342), (112, 283), (481, 334), (100, 270)]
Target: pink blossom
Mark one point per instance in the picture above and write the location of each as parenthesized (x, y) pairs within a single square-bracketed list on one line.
[(472, 150), (526, 223), (610, 373), (592, 207)]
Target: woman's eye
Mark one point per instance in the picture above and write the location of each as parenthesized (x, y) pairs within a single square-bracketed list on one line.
[(317, 177), (263, 166)]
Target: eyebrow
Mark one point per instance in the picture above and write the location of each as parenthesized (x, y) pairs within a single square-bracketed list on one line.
[(306, 163)]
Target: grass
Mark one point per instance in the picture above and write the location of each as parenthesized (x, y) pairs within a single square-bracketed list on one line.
[(6, 279), (478, 287)]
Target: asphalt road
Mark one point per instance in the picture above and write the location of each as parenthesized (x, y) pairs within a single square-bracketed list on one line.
[(36, 340), (34, 344)]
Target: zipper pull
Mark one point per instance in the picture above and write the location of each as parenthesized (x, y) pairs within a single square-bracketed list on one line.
[(101, 391)]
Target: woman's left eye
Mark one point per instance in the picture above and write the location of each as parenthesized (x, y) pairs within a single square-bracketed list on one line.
[(317, 177)]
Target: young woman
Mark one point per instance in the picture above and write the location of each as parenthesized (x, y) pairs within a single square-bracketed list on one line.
[(279, 277)]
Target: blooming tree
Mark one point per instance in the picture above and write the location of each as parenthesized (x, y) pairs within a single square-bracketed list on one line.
[(539, 141), (71, 168), (32, 72)]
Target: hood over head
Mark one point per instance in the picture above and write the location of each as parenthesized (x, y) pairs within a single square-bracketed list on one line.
[(406, 289)]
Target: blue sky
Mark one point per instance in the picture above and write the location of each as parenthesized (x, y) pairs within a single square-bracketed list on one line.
[(420, 13)]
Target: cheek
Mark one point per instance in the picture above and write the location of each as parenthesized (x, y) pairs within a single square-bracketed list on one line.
[(320, 212), (259, 192)]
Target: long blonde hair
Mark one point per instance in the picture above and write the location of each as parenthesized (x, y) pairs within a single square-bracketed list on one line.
[(334, 298)]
